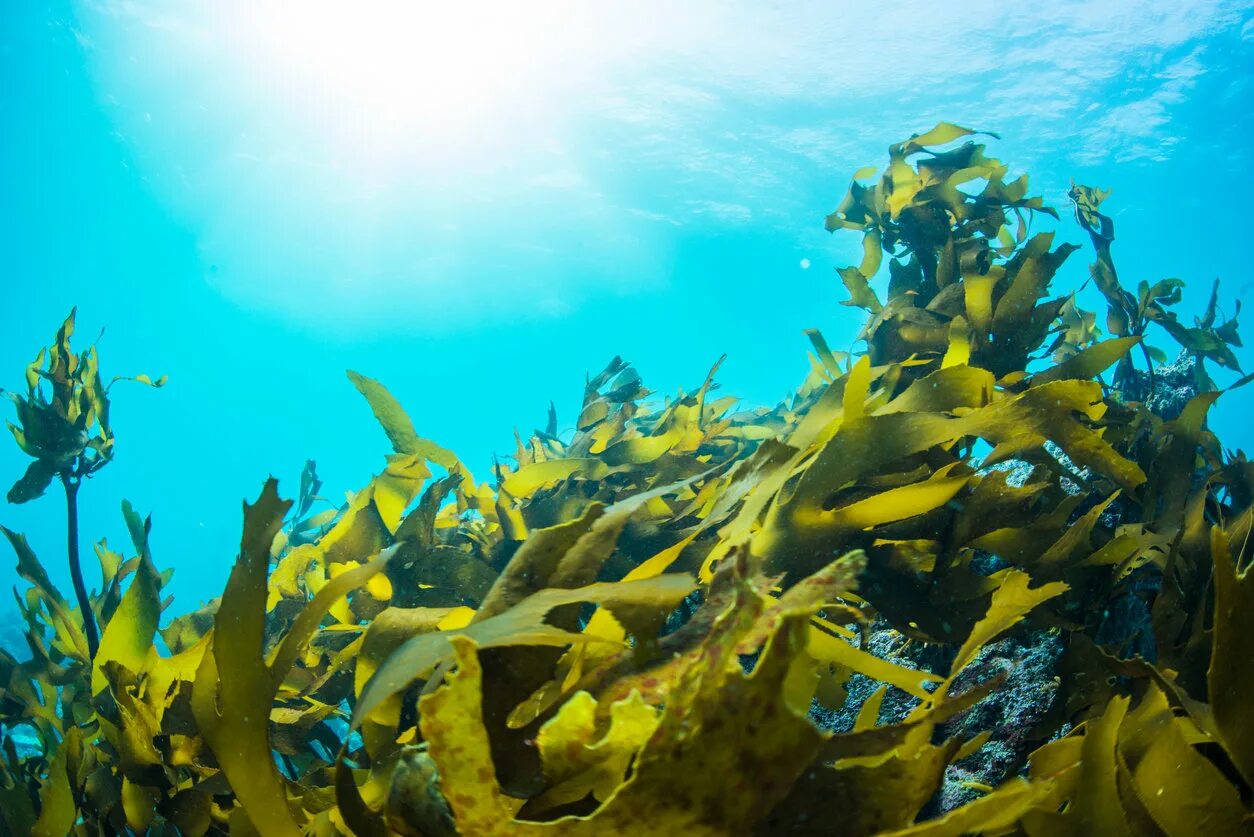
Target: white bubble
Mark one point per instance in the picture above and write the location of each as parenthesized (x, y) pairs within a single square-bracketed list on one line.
[(805, 264)]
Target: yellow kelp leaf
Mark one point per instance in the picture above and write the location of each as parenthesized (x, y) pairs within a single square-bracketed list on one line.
[(583, 561), (386, 632), (233, 691), (1027, 283), (973, 745), (872, 253), (1231, 680), (602, 624), (162, 673), (190, 809), (68, 625), (944, 132), (869, 712), (138, 725), (110, 561), (856, 387), (728, 748), (827, 648), (451, 719), (531, 567), (959, 351), (307, 621), (1046, 412), (394, 489), (900, 503), (646, 449), (1057, 556), (824, 353), (364, 529), (904, 184), (1131, 548), (396, 423), (873, 795), (754, 482), (569, 554), (1012, 601), (1094, 806), (806, 596), (522, 624), (57, 809), (1088, 362), (127, 637), (728, 745), (944, 391), (643, 623), (578, 761), (592, 413), (458, 617), (139, 802), (509, 516), (978, 295), (794, 523), (292, 726), (536, 475), (1177, 462), (861, 294), (379, 588), (994, 813), (1182, 790)]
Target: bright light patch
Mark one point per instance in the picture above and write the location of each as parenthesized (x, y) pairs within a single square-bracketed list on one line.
[(385, 81), (458, 163)]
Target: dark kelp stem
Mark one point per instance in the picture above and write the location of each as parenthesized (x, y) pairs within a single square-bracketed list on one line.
[(76, 569)]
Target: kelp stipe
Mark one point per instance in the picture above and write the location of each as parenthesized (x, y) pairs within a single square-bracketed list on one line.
[(69, 437), (636, 626)]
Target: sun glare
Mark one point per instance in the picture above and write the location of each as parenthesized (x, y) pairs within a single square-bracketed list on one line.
[(393, 79)]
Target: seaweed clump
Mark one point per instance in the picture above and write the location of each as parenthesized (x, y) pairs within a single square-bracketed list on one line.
[(636, 624)]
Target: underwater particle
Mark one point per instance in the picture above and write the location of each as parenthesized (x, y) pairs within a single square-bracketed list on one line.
[(805, 264)]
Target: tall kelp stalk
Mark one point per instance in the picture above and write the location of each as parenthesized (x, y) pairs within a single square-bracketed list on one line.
[(644, 624), (70, 439)]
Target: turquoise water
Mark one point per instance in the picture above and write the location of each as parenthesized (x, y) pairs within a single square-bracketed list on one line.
[(477, 210)]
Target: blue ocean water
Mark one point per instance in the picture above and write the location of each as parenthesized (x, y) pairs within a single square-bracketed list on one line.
[(477, 208)]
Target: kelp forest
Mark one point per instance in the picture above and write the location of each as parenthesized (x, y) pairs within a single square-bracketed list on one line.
[(987, 575)]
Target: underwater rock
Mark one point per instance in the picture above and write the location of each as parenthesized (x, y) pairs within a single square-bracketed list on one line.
[(1166, 392), (1127, 628), (1029, 662), (1010, 714), (1018, 471), (888, 644)]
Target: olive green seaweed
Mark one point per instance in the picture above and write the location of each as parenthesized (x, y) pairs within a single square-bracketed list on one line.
[(637, 624), (66, 430)]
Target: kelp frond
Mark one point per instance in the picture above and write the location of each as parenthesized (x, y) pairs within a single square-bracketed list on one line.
[(635, 625)]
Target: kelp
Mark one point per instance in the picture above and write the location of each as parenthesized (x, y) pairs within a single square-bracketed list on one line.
[(1130, 314), (66, 431), (638, 623)]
